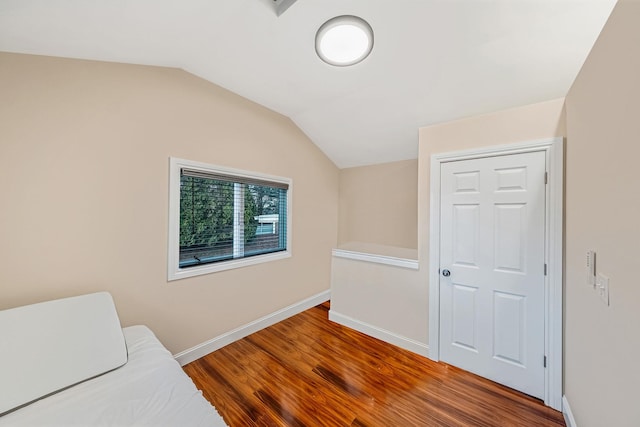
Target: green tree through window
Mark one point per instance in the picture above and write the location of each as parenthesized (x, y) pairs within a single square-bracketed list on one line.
[(208, 225)]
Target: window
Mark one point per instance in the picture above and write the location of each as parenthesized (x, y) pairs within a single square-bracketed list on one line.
[(224, 218)]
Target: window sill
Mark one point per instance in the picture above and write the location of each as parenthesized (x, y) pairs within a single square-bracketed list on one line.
[(183, 273)]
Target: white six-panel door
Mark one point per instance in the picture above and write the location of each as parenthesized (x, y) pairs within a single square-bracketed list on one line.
[(492, 242)]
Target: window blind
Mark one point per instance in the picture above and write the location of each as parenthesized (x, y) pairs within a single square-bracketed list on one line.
[(224, 217)]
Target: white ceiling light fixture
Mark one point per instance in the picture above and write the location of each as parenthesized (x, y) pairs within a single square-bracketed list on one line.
[(344, 40)]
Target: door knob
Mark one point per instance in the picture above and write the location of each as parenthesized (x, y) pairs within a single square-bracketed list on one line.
[(446, 273)]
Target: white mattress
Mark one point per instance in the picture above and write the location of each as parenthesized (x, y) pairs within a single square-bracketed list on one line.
[(149, 390)]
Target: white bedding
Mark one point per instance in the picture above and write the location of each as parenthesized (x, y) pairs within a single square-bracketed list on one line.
[(81, 337), (149, 390)]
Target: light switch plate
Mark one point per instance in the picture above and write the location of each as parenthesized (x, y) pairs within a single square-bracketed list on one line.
[(602, 287)]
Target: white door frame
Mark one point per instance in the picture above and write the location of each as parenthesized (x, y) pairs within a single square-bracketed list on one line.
[(554, 153)]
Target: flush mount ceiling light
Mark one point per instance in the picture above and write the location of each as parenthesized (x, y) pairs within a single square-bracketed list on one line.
[(344, 40)]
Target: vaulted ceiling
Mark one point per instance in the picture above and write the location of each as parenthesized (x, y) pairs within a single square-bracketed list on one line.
[(432, 61)]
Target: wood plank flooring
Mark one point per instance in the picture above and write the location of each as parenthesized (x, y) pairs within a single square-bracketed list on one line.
[(308, 371)]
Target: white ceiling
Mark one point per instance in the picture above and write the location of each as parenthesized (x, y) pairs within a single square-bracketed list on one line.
[(432, 61)]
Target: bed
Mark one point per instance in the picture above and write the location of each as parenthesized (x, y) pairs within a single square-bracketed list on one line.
[(143, 387)]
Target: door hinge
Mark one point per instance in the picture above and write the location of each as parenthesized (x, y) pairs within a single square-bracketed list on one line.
[(545, 269), (546, 177), (545, 361)]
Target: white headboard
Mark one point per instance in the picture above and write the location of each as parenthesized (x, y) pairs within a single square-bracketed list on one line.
[(52, 345)]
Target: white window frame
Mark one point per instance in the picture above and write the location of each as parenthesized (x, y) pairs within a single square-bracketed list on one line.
[(174, 272)]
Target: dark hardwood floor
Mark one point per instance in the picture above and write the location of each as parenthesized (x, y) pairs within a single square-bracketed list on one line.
[(308, 371)]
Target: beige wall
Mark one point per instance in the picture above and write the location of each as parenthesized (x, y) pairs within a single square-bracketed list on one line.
[(378, 214), (602, 372), (378, 204), (84, 159), (384, 300)]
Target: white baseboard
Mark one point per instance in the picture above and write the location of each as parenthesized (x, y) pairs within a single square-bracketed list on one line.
[(566, 412), (381, 334), (201, 350)]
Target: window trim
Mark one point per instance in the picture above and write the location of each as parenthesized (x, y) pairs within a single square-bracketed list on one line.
[(174, 272)]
